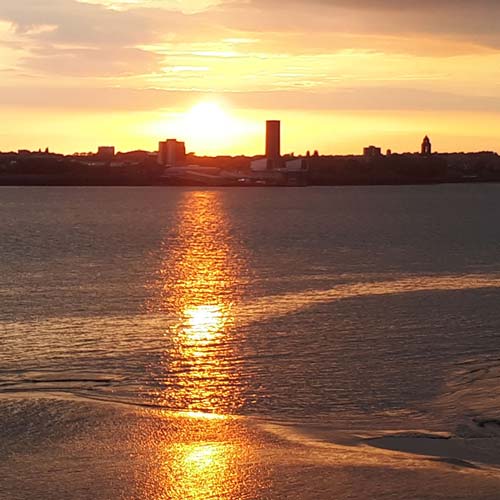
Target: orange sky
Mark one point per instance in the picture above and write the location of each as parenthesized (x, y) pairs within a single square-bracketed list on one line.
[(78, 74)]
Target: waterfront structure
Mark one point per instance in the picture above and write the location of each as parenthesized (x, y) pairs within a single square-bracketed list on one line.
[(297, 171), (259, 165), (296, 165), (426, 146), (273, 143), (171, 153)]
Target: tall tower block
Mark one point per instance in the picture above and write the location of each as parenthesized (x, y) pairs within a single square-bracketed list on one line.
[(273, 142)]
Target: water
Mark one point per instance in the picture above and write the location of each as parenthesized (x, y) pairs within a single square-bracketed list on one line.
[(326, 309)]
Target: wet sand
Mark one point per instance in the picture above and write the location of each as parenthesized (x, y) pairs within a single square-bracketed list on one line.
[(53, 448)]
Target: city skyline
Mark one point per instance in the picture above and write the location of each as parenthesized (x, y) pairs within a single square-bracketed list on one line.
[(270, 150), (211, 72)]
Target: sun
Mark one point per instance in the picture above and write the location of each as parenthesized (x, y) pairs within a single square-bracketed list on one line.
[(211, 127), (208, 119), (208, 127)]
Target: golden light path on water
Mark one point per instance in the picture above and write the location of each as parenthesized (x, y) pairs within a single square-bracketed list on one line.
[(199, 288), (198, 455)]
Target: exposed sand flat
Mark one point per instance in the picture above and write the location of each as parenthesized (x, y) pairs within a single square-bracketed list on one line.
[(72, 449), (468, 452)]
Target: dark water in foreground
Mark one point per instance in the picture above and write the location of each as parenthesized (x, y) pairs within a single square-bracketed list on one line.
[(137, 323)]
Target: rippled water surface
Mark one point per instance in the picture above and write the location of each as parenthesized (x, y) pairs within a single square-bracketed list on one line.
[(372, 308)]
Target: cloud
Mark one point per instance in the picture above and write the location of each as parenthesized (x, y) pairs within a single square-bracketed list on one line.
[(117, 38), (474, 22), (77, 23), (69, 37), (74, 37), (372, 98), (88, 62), (144, 21), (188, 7)]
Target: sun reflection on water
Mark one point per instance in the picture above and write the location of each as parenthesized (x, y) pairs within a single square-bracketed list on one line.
[(200, 469), (204, 322), (200, 458), (200, 283)]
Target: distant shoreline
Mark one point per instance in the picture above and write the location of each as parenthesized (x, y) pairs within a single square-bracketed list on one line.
[(142, 169)]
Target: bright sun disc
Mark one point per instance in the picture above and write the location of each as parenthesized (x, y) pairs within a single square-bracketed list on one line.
[(208, 127), (208, 122), (207, 113)]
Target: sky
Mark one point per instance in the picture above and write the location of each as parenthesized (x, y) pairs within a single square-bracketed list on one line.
[(339, 74)]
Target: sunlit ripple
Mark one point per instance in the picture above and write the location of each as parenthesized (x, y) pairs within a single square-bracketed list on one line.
[(203, 323), (196, 458), (201, 469)]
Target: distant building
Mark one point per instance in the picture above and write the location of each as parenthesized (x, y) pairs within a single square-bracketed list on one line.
[(106, 152), (171, 153), (372, 152), (273, 142), (296, 165), (426, 146), (260, 165)]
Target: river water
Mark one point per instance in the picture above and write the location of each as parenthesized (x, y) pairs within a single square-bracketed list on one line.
[(250, 343)]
